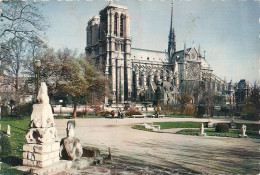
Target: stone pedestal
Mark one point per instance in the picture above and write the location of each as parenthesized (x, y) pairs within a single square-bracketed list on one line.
[(41, 155)]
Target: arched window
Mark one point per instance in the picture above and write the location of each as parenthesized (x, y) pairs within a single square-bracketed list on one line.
[(122, 25), (115, 24)]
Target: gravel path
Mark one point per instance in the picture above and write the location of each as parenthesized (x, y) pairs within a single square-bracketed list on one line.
[(142, 152)]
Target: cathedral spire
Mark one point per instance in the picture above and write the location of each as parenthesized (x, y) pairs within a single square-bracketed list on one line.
[(171, 42), (199, 53), (185, 49)]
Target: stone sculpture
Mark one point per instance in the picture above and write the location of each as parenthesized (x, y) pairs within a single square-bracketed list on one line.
[(202, 130), (70, 147), (8, 131), (243, 129), (42, 116), (232, 123), (210, 123), (42, 148)]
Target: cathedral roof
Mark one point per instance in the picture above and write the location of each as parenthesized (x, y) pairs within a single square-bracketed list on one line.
[(138, 54), (179, 54), (204, 64)]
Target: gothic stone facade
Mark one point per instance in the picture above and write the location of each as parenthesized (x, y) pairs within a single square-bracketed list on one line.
[(139, 74)]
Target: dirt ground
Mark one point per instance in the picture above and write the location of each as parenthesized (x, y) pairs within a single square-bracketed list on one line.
[(142, 152)]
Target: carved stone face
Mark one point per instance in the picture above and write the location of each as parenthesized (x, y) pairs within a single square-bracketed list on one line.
[(71, 129)]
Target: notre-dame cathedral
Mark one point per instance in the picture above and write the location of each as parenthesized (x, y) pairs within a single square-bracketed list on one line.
[(137, 75)]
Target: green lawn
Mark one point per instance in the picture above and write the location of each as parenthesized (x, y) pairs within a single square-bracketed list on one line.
[(82, 116), (141, 128), (168, 125), (251, 132), (211, 132), (17, 139), (179, 116)]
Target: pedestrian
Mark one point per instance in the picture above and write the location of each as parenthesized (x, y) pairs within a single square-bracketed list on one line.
[(119, 114), (113, 113), (122, 114)]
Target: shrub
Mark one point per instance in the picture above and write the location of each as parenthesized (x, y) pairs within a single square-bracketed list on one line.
[(4, 110), (252, 116), (177, 110), (166, 109), (132, 111), (201, 111), (23, 109), (5, 146), (104, 113), (190, 110), (222, 127), (80, 113), (97, 109)]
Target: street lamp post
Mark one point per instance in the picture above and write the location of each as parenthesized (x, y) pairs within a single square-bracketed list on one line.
[(38, 65), (60, 105)]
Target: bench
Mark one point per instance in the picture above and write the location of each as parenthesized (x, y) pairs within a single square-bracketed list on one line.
[(160, 116), (138, 116)]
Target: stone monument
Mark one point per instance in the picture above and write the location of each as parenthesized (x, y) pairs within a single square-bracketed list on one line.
[(8, 131), (202, 130), (70, 147), (42, 148), (243, 130), (232, 123), (210, 123)]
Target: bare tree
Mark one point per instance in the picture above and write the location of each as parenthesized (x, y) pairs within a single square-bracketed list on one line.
[(21, 19), (183, 99), (21, 25)]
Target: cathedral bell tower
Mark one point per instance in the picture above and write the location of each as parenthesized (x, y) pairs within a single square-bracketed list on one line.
[(171, 42), (113, 49)]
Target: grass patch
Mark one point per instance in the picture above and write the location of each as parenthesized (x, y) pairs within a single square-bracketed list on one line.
[(82, 116), (249, 126), (14, 117), (139, 127), (211, 132), (179, 116), (169, 125), (17, 139)]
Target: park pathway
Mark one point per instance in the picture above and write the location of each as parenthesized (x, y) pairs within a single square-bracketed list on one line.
[(142, 152)]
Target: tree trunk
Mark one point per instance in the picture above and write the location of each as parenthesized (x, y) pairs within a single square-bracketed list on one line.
[(182, 107), (86, 108), (75, 110)]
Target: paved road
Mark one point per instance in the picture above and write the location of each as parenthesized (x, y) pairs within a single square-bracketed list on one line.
[(142, 152)]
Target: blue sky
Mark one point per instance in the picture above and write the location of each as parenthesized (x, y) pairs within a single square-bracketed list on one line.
[(227, 30)]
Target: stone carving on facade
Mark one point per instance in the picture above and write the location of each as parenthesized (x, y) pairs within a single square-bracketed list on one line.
[(70, 147)]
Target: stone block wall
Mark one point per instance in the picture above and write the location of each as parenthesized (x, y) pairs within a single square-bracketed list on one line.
[(40, 155)]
